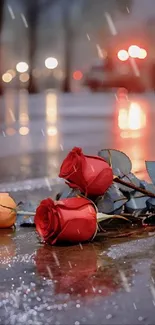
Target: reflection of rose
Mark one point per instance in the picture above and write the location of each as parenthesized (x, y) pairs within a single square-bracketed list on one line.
[(72, 220), (7, 246), (91, 174), (75, 270)]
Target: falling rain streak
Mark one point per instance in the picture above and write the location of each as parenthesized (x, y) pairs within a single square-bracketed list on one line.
[(11, 12), (111, 24), (24, 20)]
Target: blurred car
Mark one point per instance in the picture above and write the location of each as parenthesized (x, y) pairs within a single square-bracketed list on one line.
[(122, 70)]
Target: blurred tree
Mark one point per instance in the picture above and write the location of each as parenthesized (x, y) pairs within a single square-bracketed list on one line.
[(74, 12), (2, 3), (33, 9), (32, 16), (68, 39)]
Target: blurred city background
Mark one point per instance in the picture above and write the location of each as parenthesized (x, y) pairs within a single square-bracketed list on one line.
[(65, 44), (101, 53)]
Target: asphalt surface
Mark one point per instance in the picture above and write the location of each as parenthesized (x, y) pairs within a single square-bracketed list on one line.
[(104, 282)]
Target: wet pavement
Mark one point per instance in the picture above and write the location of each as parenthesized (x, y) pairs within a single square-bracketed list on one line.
[(109, 281), (106, 282)]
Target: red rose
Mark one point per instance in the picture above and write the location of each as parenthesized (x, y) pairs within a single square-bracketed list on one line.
[(91, 174), (72, 220)]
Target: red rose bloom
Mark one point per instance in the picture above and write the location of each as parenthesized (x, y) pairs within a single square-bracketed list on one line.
[(91, 174), (72, 220)]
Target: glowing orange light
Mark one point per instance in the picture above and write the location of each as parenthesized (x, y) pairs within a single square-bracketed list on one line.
[(134, 51), (132, 118), (136, 118), (142, 54), (123, 55), (77, 75), (123, 119)]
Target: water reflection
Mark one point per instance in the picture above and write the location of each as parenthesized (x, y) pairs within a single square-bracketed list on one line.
[(10, 131), (132, 117), (7, 246), (132, 131), (51, 108), (23, 108), (23, 130), (79, 271), (51, 121), (9, 100)]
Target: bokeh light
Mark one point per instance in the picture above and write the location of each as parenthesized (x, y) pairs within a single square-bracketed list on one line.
[(24, 77), (77, 75), (132, 117), (24, 118), (24, 130), (134, 51), (51, 63), (136, 118), (52, 130), (22, 67), (7, 77), (12, 72), (123, 119), (58, 74), (123, 55), (10, 131), (142, 54)]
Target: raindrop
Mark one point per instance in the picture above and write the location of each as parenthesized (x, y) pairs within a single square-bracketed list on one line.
[(4, 135), (43, 133), (70, 265), (24, 20), (110, 24), (81, 246), (11, 12)]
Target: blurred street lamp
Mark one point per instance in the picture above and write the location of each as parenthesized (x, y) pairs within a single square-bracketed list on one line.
[(22, 67), (142, 54), (51, 63), (7, 77), (134, 51), (123, 55)]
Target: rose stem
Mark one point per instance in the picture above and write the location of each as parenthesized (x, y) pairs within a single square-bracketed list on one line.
[(26, 213), (134, 187)]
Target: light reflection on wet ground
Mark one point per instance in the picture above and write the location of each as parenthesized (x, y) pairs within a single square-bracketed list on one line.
[(40, 130), (108, 281)]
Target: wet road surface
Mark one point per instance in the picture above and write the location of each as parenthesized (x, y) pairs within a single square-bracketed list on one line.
[(108, 281)]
